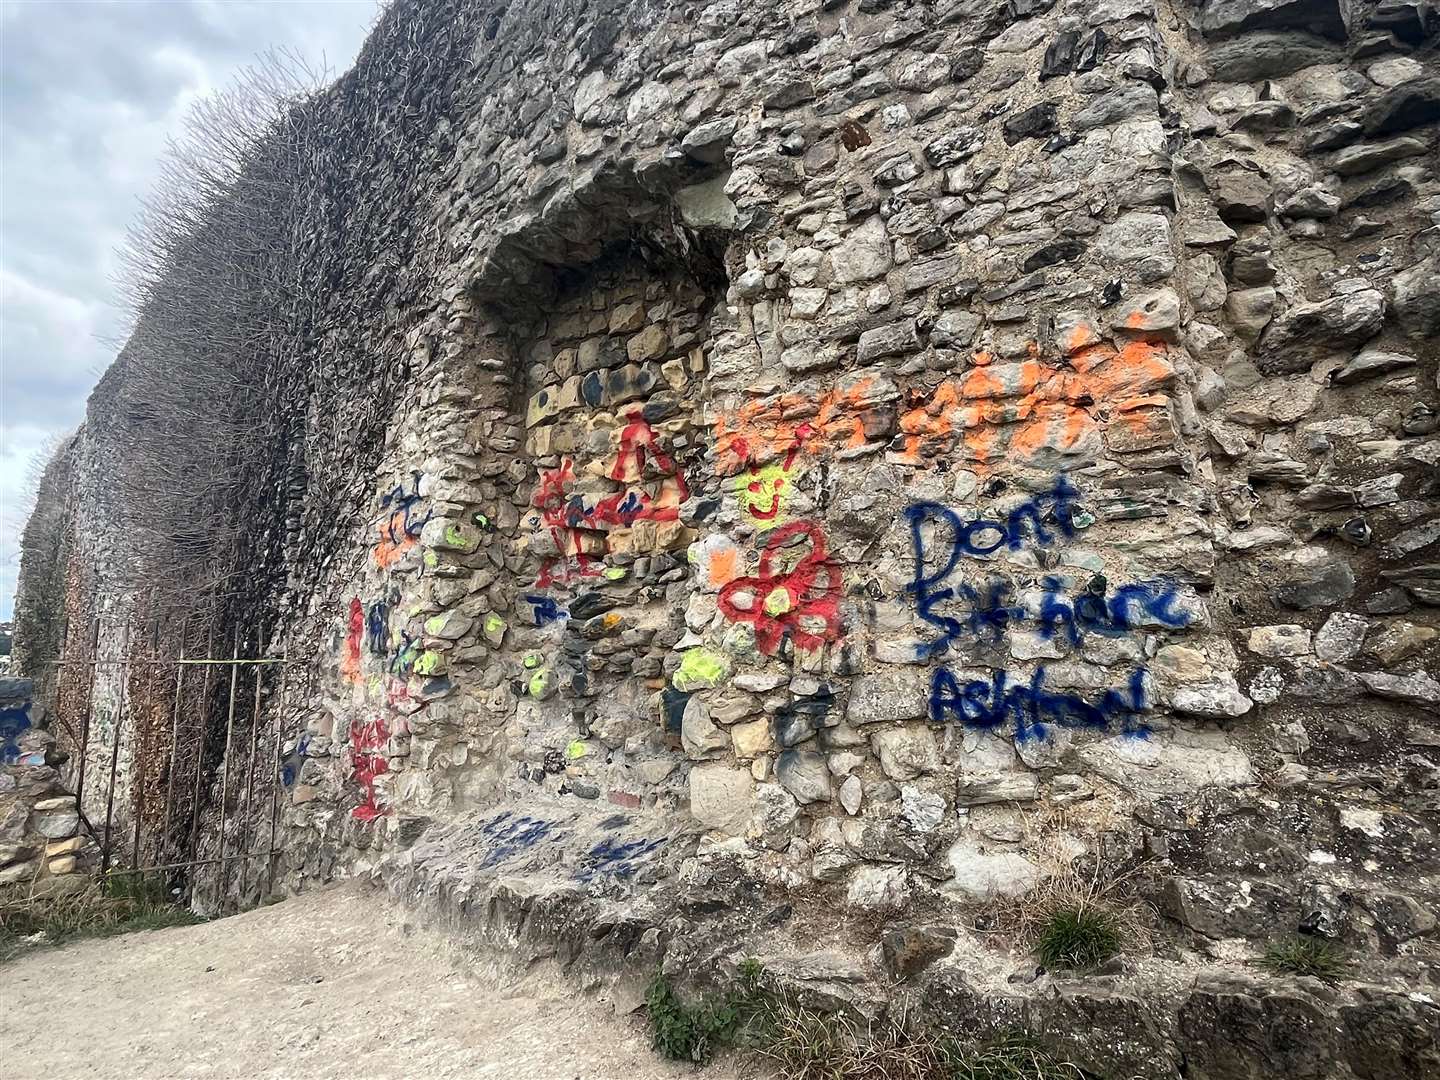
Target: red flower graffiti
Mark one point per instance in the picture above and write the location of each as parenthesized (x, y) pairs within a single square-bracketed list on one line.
[(367, 761), (803, 604)]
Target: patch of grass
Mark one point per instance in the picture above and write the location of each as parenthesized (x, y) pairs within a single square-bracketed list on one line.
[(1080, 937), (123, 904), (831, 1046), (804, 1044), (1081, 914), (813, 1046), (1306, 956), (1012, 1059)]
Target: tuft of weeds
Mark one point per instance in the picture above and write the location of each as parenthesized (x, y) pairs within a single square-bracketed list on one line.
[(1082, 913), (1306, 956), (121, 905), (1012, 1059), (807, 1045), (803, 1044), (813, 1046), (1080, 937)]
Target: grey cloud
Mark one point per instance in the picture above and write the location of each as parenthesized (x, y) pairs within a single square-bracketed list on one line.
[(88, 93)]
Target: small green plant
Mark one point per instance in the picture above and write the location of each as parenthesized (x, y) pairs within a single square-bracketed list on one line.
[(1305, 956), (694, 1032), (1080, 937)]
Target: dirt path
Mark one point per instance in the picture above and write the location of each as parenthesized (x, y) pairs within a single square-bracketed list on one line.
[(325, 985)]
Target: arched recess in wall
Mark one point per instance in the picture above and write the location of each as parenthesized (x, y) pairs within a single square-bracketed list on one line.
[(605, 300)]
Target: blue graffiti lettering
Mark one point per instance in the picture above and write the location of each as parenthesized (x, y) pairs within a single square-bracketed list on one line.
[(405, 655), (513, 834), (987, 706), (1093, 612), (377, 628), (294, 761), (988, 614)]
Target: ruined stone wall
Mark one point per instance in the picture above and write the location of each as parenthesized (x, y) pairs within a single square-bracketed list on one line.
[(1055, 435), (891, 452), (42, 848)]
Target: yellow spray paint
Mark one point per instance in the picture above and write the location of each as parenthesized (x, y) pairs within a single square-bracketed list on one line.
[(699, 669)]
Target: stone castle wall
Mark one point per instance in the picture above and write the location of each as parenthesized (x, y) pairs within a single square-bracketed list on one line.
[(895, 450)]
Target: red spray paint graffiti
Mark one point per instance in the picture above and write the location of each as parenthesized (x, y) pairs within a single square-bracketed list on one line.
[(573, 526), (803, 604), (354, 636), (367, 761)]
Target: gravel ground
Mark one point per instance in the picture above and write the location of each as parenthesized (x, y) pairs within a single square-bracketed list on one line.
[(330, 984)]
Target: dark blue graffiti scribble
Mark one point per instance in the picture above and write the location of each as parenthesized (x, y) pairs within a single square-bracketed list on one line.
[(986, 706), (403, 518), (14, 722), (546, 609), (294, 761), (672, 709), (514, 833), (407, 650), (377, 628), (985, 619), (1093, 612), (613, 858)]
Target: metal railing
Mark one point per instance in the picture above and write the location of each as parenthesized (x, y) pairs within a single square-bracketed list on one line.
[(167, 841)]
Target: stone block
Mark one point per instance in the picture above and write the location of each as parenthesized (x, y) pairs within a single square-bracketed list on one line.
[(722, 797)]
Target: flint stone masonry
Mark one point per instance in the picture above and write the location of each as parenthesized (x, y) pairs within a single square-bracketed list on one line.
[(849, 454), (41, 849)]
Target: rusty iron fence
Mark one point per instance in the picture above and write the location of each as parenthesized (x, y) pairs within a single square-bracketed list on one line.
[(208, 759)]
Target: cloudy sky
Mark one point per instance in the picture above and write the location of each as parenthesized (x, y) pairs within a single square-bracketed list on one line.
[(88, 94)]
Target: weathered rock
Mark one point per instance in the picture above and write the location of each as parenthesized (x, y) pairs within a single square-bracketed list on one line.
[(1410, 104), (804, 774), (1267, 55), (907, 752), (1415, 298), (875, 888), (722, 797), (1342, 637), (1313, 577), (986, 871), (980, 789), (865, 254), (1419, 689), (1366, 157), (1369, 363), (1292, 340), (1241, 196), (1326, 17), (907, 951), (890, 695), (1279, 641), (701, 738), (1217, 696)]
